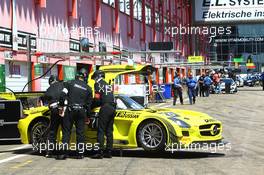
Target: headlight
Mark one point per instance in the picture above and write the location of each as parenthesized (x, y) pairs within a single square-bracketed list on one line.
[(179, 122)]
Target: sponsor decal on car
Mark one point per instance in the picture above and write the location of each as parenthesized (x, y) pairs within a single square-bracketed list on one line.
[(127, 115)]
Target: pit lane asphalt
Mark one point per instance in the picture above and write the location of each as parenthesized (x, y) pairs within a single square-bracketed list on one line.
[(242, 115)]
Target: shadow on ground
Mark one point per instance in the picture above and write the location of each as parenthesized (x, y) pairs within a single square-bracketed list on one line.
[(165, 155), (133, 154), (10, 142)]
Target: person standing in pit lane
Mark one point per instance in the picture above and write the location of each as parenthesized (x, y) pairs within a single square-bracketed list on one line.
[(216, 81), (104, 98), (177, 89), (79, 95), (207, 84), (201, 85), (52, 95), (191, 85)]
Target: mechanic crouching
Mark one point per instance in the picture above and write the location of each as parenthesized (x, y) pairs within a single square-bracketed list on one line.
[(52, 95), (105, 99), (79, 96)]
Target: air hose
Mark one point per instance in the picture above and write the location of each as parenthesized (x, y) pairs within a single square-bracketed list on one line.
[(54, 64)]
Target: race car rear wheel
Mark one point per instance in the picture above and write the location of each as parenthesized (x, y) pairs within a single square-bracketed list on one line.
[(39, 133), (152, 136)]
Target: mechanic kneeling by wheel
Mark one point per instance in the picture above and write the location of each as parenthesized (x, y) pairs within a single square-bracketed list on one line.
[(79, 95), (104, 97), (52, 95)]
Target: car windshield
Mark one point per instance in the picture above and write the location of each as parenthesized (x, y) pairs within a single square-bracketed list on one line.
[(125, 102)]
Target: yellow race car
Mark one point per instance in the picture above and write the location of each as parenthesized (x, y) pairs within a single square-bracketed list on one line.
[(136, 126), (153, 129)]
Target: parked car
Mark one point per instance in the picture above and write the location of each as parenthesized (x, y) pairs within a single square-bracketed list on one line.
[(250, 81), (225, 81)]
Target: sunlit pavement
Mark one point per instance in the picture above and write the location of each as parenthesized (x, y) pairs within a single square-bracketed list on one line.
[(243, 126)]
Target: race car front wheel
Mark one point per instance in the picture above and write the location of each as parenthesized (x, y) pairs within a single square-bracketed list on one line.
[(39, 133), (152, 136)]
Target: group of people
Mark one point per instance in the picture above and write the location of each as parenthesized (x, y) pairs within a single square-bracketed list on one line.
[(71, 103), (200, 87), (205, 81), (194, 87)]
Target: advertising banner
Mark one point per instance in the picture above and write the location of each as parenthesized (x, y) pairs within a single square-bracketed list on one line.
[(228, 11), (68, 72), (251, 66), (2, 78), (238, 60), (37, 70), (195, 59)]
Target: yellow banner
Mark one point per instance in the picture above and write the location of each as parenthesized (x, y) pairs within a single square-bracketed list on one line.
[(195, 59)]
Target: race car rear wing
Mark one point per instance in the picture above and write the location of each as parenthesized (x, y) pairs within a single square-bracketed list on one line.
[(111, 72)]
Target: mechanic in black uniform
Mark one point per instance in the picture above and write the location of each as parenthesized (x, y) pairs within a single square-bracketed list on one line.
[(79, 96), (201, 85), (104, 97), (52, 95)]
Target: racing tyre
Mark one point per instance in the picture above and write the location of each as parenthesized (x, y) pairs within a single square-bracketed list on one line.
[(39, 133), (152, 136)]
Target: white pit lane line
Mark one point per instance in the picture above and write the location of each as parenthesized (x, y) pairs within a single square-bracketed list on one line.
[(16, 156), (12, 158), (20, 147)]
